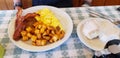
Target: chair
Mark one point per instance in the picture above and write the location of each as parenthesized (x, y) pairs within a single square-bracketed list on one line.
[(76, 3), (6, 4)]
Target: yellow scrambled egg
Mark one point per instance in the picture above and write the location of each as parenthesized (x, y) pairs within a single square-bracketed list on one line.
[(48, 18)]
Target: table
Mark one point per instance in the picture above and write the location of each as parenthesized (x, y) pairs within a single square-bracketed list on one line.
[(72, 48)]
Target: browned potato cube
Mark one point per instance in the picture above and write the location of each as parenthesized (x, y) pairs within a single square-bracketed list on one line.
[(44, 26), (37, 31), (55, 38), (29, 35), (52, 31), (25, 38), (47, 31), (39, 26), (58, 28), (38, 42), (58, 32), (39, 36), (50, 28), (23, 33), (51, 40), (43, 42), (61, 35), (51, 35), (28, 29), (42, 30), (46, 37), (34, 38), (33, 43)]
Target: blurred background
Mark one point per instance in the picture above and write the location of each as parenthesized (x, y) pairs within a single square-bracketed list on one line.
[(10, 4)]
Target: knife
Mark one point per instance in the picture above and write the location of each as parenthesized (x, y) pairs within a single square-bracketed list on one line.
[(101, 15)]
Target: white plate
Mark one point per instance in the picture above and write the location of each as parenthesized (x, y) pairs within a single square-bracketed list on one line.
[(95, 44), (64, 19)]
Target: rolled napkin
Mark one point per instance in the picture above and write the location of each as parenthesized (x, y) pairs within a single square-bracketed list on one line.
[(90, 29), (2, 51)]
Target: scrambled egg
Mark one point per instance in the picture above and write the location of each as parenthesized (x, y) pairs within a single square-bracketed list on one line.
[(48, 18)]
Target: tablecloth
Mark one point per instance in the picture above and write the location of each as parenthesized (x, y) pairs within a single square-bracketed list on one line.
[(72, 48)]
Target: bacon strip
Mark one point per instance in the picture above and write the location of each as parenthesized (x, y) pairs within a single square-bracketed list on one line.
[(22, 22), (30, 15), (18, 16), (18, 29)]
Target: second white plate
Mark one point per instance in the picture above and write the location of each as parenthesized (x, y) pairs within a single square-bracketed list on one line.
[(95, 44)]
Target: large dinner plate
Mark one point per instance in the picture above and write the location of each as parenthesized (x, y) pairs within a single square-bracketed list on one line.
[(64, 19), (95, 44)]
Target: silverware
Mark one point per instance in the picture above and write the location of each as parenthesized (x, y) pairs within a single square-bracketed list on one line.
[(101, 15)]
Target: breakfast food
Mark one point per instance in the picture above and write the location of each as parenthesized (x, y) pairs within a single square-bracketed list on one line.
[(90, 29), (41, 28)]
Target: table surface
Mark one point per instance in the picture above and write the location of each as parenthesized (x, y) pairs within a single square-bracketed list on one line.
[(72, 48)]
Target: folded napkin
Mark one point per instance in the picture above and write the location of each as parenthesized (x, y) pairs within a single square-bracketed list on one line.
[(2, 51)]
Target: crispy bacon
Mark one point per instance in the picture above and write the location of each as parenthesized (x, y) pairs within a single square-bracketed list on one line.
[(18, 16), (30, 15), (22, 22), (18, 29)]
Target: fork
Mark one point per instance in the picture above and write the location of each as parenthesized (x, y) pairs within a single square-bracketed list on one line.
[(101, 15)]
